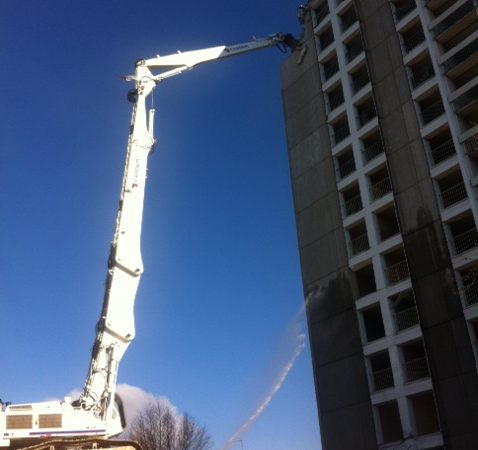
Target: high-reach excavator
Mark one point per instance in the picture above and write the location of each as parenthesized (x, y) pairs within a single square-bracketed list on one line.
[(97, 416)]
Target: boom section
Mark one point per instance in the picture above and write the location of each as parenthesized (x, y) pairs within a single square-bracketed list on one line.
[(179, 62), (115, 328)]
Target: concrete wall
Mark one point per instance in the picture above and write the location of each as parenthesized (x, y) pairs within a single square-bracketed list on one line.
[(443, 325), (344, 406)]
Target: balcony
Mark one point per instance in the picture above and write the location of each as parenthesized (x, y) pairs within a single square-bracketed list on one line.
[(353, 205), (372, 151), (441, 150), (322, 12), (397, 272), (470, 285), (452, 64), (382, 374), (366, 112), (416, 369), (347, 19), (430, 110), (326, 38), (365, 280), (360, 79), (345, 167), (402, 8), (387, 224), (351, 200), (412, 38), (390, 424), (425, 414), (471, 146), (406, 318), (466, 100), (421, 72), (453, 194), (438, 7), (335, 98), (353, 48), (381, 188), (459, 15), (382, 379), (340, 130), (330, 68), (373, 323), (359, 244), (466, 240)]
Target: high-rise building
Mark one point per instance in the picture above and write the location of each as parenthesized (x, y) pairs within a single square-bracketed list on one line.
[(381, 116)]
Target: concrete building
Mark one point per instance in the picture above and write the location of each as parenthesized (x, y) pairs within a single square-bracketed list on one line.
[(381, 116)]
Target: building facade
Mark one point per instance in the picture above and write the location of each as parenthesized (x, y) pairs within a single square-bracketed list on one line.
[(381, 116)]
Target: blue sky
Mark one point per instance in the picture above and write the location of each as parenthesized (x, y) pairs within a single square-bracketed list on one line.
[(222, 278)]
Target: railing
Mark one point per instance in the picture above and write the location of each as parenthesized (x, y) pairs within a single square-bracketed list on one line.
[(410, 41), (382, 379), (470, 292), (346, 168), (466, 99), (453, 194), (397, 272), (422, 73), (453, 18), (322, 12), (359, 244), (352, 205), (403, 8), (461, 56), (416, 369), (406, 318), (443, 151), (366, 114), (432, 111), (372, 151), (330, 68), (381, 188), (466, 240), (359, 80), (471, 146), (341, 131)]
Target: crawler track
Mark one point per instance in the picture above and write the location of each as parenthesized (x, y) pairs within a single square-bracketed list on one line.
[(88, 443)]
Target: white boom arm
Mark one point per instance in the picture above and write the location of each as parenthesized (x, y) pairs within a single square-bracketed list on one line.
[(116, 326), (95, 413)]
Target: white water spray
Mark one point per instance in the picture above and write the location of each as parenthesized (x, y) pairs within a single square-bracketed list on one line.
[(298, 345)]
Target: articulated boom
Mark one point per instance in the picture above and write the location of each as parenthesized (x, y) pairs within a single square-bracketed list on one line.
[(96, 413)]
